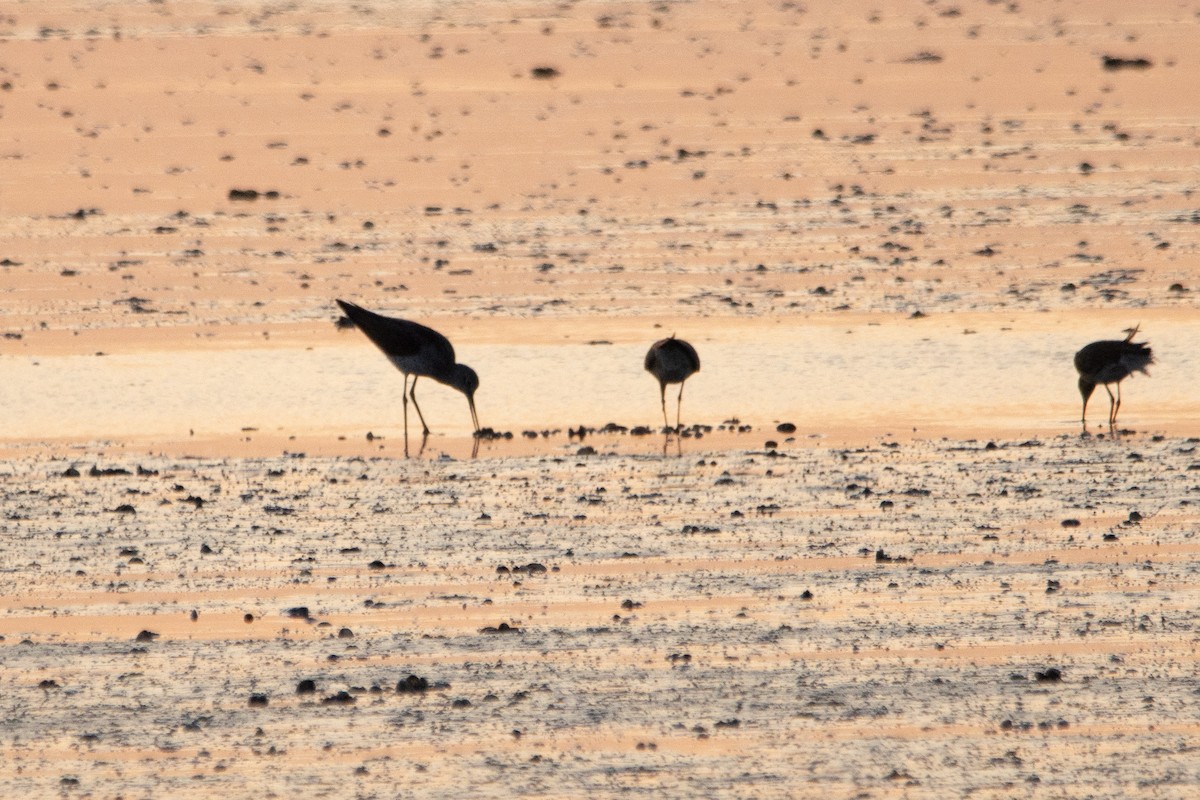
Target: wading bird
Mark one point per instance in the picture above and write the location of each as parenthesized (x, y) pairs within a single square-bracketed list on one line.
[(672, 361), (1107, 362), (418, 351)]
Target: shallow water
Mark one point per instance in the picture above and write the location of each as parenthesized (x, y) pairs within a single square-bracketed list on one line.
[(885, 377)]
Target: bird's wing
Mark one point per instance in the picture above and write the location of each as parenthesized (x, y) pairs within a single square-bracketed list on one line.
[(652, 355), (689, 352), (397, 337)]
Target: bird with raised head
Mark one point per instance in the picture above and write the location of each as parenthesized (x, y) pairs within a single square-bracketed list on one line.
[(417, 351), (1108, 362)]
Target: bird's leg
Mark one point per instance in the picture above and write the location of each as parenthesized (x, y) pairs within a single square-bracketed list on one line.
[(1113, 403), (413, 394), (404, 397), (1117, 407), (662, 386), (679, 405)]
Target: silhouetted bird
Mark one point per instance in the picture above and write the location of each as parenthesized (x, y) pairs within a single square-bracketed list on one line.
[(418, 351), (1108, 362), (672, 361)]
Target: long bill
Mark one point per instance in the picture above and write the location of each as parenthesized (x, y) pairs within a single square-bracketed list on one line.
[(474, 416)]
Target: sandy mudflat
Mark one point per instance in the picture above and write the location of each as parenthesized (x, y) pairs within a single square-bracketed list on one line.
[(890, 226), (861, 621)]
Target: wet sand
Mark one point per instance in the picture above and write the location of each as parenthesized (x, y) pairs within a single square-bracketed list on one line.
[(889, 228)]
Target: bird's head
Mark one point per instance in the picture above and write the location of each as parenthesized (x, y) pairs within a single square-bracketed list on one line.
[(1086, 388), (466, 381)]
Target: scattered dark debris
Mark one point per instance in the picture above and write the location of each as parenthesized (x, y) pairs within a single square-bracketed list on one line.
[(544, 73), (1114, 63), (923, 57), (252, 194), (96, 472)]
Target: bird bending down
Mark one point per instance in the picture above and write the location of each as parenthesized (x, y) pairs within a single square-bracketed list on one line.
[(418, 351), (1108, 362), (672, 361)]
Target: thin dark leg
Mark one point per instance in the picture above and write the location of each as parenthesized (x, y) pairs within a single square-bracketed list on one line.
[(679, 405), (404, 397), (1117, 409), (1112, 404), (663, 398), (413, 394)]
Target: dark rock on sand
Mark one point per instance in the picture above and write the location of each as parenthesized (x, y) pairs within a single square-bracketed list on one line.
[(341, 698), (412, 683)]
